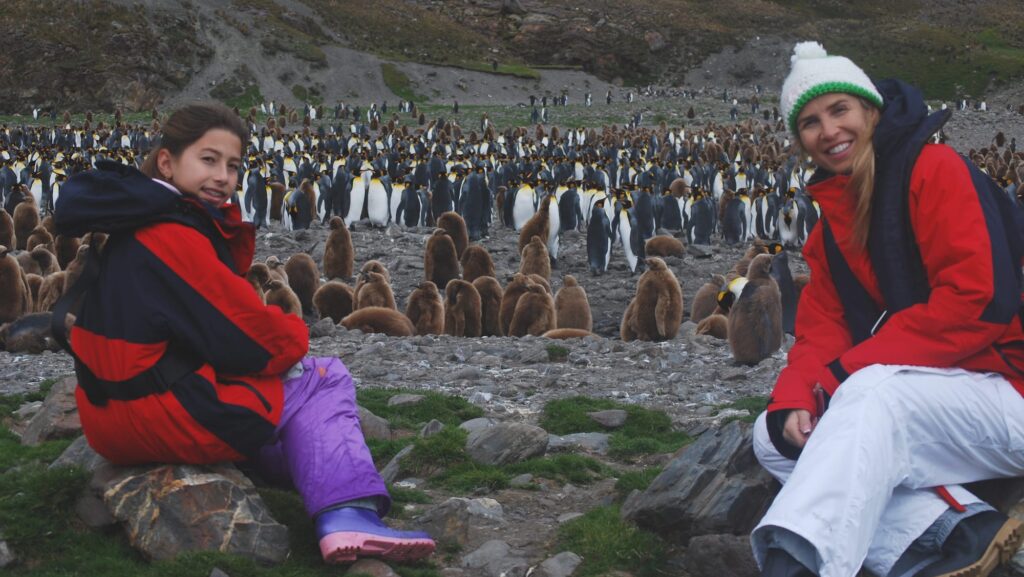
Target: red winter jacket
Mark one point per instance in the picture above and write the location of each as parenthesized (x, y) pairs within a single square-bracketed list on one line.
[(164, 283), (950, 230)]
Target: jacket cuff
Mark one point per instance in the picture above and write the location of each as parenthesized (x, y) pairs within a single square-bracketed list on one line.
[(776, 422)]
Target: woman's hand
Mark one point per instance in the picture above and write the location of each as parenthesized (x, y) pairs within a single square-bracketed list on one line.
[(798, 428)]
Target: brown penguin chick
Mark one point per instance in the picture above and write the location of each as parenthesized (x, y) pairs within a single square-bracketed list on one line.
[(758, 247), (663, 245), (539, 225), (461, 309), (304, 278), (15, 295), (76, 266), (258, 276), (755, 317), (26, 219), (455, 226), (39, 237), (656, 311), (516, 288), (537, 279), (678, 187), (490, 305), (534, 314), (440, 262), (563, 334), (380, 320), (363, 276), (572, 309), (339, 254), (50, 291), (276, 200), (535, 259), (705, 302), (334, 299), (66, 247), (716, 325), (283, 296), (49, 224), (476, 263), (6, 229), (35, 284), (29, 334), (425, 309), (373, 290), (277, 269)]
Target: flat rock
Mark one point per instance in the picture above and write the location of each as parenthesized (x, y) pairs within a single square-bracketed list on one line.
[(169, 510), (372, 568), (458, 518), (713, 486), (79, 454), (403, 399), (609, 419), (432, 428), (374, 427), (562, 565), (496, 558), (591, 442), (58, 419), (720, 556), (506, 443), (325, 327)]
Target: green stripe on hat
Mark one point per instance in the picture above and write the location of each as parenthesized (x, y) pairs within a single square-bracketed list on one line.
[(829, 88)]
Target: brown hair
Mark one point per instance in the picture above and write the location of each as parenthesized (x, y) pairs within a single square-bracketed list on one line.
[(187, 125)]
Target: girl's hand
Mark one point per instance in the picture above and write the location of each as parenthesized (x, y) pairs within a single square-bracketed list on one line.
[(799, 426)]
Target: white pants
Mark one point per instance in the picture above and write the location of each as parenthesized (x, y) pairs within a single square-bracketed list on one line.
[(862, 490)]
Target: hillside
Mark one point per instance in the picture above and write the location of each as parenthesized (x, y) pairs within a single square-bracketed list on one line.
[(86, 54)]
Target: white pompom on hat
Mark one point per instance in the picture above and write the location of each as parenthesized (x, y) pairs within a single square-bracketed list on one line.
[(814, 73)]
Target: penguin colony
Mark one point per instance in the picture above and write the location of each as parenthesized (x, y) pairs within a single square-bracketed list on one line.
[(633, 196)]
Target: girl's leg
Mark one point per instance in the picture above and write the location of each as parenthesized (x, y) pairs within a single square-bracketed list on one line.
[(890, 427)]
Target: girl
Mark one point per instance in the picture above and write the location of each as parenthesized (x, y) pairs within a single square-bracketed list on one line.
[(179, 361), (906, 377)]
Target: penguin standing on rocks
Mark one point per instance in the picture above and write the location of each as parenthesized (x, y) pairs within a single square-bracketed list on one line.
[(334, 299), (426, 309), (628, 233), (461, 309), (701, 221), (339, 254), (656, 311), (787, 291), (440, 261), (476, 262), (755, 316), (569, 212), (572, 309), (705, 301), (534, 313), (490, 305), (599, 240), (378, 199)]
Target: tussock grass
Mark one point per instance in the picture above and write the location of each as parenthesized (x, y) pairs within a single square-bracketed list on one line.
[(646, 431), (635, 481), (607, 543), (447, 409)]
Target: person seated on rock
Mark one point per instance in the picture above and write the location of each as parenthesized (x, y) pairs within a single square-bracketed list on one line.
[(179, 361), (907, 374)]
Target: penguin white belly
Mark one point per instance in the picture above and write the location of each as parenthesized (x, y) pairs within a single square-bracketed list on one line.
[(355, 205), (788, 233), (523, 208), (748, 221), (717, 188), (397, 192), (377, 203), (320, 207), (579, 171), (554, 227), (627, 249), (37, 192)]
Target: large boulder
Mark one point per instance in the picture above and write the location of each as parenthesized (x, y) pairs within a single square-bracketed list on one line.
[(169, 510), (713, 486), (458, 519)]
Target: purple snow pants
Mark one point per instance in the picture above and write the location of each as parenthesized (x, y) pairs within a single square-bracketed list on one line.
[(318, 446)]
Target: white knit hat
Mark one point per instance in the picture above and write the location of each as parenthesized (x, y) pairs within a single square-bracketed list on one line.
[(815, 73)]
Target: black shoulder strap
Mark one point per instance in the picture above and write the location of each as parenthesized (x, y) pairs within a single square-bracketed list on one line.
[(858, 307)]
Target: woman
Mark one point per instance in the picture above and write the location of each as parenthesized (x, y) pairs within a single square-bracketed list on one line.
[(908, 349), (179, 361)]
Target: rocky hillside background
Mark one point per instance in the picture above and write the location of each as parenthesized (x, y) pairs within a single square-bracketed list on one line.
[(97, 54)]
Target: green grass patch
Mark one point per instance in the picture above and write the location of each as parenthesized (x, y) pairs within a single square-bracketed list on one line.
[(646, 431), (630, 481), (399, 84), (447, 409), (608, 543), (383, 450), (576, 469), (755, 405), (557, 353), (469, 476), (437, 453)]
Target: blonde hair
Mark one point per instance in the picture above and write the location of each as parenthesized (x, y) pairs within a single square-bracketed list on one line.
[(862, 179)]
